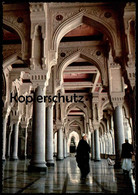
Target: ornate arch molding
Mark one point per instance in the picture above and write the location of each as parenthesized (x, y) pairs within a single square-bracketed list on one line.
[(24, 46), (105, 103), (126, 111), (77, 131), (74, 120), (103, 125), (86, 56), (99, 23), (78, 105), (102, 129), (10, 60), (71, 122)]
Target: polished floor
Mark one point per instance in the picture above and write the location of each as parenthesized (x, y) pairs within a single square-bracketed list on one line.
[(64, 177)]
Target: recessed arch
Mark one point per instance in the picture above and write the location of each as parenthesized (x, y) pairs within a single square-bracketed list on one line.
[(103, 125), (74, 121), (20, 33), (10, 60), (73, 57), (77, 138), (77, 122), (86, 18), (78, 105)]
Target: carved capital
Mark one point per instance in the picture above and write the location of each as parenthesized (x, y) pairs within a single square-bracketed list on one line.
[(36, 7), (117, 99), (96, 125), (39, 78), (131, 75), (114, 65), (59, 125)]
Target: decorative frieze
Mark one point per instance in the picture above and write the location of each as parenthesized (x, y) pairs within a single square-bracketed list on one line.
[(36, 7), (117, 99), (11, 49), (89, 51), (99, 13)]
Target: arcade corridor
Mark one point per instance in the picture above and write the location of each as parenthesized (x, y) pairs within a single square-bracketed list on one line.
[(64, 177), (68, 69)]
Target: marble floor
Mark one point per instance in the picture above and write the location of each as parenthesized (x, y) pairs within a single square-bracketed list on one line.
[(64, 177)]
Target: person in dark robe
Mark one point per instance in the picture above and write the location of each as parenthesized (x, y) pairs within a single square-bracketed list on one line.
[(127, 151), (82, 156)]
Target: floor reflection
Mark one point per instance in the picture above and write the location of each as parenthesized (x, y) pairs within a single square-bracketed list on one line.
[(64, 177)]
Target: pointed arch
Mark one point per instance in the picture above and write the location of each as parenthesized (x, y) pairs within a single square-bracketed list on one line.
[(75, 121), (78, 105), (73, 57), (24, 45), (80, 18)]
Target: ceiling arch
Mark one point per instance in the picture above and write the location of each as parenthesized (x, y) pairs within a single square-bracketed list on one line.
[(81, 18)]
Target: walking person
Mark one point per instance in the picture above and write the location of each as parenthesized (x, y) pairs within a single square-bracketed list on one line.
[(127, 151), (82, 156)]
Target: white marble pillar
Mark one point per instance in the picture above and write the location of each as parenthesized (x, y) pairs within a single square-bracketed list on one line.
[(92, 147), (14, 155), (65, 147), (25, 150), (112, 133), (4, 138), (119, 134), (9, 142), (49, 136), (38, 162), (60, 144), (97, 145)]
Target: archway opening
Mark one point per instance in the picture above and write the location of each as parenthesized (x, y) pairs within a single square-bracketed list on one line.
[(72, 145)]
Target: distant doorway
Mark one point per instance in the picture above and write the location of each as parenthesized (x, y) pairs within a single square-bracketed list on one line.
[(72, 145)]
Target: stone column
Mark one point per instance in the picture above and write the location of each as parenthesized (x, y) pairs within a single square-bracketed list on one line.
[(38, 162), (97, 145), (49, 136), (9, 141), (4, 138), (60, 144), (92, 147), (112, 133), (14, 155), (65, 147), (25, 149), (119, 134)]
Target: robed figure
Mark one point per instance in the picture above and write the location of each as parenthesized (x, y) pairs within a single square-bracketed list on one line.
[(82, 156), (127, 151)]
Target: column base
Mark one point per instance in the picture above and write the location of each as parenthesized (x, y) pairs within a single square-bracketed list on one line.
[(59, 159), (97, 160), (32, 168), (50, 164), (3, 160), (13, 158)]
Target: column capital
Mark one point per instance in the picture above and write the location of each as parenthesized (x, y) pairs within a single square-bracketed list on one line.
[(95, 98), (96, 125), (39, 78), (59, 125), (131, 75), (117, 99)]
